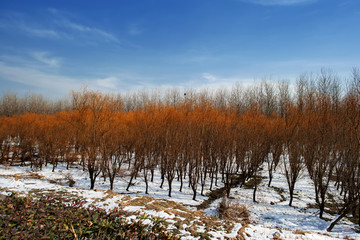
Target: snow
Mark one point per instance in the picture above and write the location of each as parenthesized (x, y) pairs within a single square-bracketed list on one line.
[(132, 208), (270, 217)]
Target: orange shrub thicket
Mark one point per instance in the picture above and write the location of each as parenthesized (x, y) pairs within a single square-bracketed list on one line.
[(198, 140)]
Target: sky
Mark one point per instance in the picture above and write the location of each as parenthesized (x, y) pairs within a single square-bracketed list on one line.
[(51, 47)]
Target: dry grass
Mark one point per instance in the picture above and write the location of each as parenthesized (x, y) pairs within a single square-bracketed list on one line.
[(32, 175), (277, 236), (27, 175), (138, 201), (173, 208), (348, 238), (70, 180), (301, 232), (110, 194), (126, 198), (213, 195), (190, 219), (232, 211), (162, 204), (251, 183)]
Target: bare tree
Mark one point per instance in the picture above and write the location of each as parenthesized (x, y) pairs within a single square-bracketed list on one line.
[(293, 164)]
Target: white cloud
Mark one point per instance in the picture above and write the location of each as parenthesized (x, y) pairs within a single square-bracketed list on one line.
[(109, 83), (45, 58), (218, 82), (63, 20), (43, 33), (19, 21), (279, 2), (58, 26), (52, 84), (209, 77), (49, 81), (86, 29)]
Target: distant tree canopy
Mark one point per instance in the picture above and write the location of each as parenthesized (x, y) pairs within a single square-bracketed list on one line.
[(202, 137)]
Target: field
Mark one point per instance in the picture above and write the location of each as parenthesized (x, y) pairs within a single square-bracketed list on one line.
[(269, 218), (204, 166)]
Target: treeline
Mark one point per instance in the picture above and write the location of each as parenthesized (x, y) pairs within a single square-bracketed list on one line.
[(226, 136), (12, 104)]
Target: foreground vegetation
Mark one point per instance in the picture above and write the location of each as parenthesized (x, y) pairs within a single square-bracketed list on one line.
[(202, 136), (26, 218)]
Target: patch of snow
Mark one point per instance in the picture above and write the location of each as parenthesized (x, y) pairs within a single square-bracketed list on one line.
[(270, 216)]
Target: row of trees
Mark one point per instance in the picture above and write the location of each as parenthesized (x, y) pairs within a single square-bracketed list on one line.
[(269, 97), (204, 139)]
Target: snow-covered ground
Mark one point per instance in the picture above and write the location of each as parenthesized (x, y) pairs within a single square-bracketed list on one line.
[(270, 217)]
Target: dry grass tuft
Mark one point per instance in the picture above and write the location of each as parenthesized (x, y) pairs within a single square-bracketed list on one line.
[(111, 194), (138, 201), (126, 198), (229, 210), (162, 204), (276, 236), (27, 175), (301, 232)]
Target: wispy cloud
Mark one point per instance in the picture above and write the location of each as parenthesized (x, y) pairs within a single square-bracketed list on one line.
[(40, 71), (109, 82), (91, 30), (66, 21), (209, 77), (37, 71), (211, 82), (16, 21), (59, 25), (43, 33), (279, 2), (52, 84), (45, 58)]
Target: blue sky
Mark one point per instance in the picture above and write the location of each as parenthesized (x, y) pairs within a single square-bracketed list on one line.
[(52, 47)]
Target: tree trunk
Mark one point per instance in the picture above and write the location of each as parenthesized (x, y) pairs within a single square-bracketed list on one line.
[(212, 180), (190, 175), (270, 178), (316, 193), (162, 181), (322, 208), (228, 190), (181, 181), (291, 191), (254, 193), (202, 189), (53, 168), (146, 183), (92, 178), (338, 218), (92, 183), (194, 193), (216, 178), (111, 179), (128, 186), (359, 212), (170, 188)]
